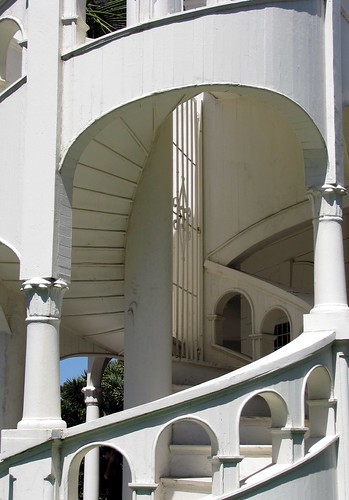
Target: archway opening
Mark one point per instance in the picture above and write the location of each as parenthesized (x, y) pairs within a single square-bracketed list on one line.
[(97, 472), (262, 439), (183, 459), (319, 413), (276, 331), (11, 53), (234, 328)]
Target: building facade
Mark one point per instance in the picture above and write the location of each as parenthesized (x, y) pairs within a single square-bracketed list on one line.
[(173, 195)]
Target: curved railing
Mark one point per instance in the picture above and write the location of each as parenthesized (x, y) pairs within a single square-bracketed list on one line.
[(139, 434)]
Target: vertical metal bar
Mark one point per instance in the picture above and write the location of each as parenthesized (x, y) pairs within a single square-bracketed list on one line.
[(176, 236), (182, 332), (193, 233), (199, 133)]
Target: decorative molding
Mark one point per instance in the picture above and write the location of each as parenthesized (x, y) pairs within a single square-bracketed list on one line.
[(91, 395), (327, 201), (44, 298)]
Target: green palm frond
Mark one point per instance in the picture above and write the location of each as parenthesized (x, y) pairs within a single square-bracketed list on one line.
[(105, 16)]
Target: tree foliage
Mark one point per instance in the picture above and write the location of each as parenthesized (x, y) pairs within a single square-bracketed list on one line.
[(72, 401), (112, 394), (105, 16)]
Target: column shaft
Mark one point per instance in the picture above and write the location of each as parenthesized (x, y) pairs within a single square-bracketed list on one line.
[(329, 271), (41, 408)]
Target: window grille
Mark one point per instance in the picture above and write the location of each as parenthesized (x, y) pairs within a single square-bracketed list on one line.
[(283, 335), (187, 268)]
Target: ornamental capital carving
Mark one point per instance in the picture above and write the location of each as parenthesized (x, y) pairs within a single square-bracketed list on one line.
[(91, 395), (44, 297), (327, 201)]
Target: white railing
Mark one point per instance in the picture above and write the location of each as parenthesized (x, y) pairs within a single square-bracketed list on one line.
[(220, 408), (141, 434)]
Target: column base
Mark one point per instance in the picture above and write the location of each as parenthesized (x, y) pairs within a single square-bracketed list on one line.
[(41, 424), (325, 317), (14, 441)]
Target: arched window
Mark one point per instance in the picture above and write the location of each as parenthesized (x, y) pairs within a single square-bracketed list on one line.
[(11, 52), (276, 331), (234, 327)]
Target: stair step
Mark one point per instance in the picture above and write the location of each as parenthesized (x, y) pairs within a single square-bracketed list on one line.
[(188, 488), (187, 460), (258, 450)]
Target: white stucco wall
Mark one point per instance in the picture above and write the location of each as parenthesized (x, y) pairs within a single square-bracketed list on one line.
[(253, 168)]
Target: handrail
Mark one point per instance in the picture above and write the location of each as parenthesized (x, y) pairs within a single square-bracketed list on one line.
[(282, 470), (299, 350), (12, 88)]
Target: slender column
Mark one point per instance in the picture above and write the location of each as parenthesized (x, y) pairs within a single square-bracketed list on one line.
[(148, 288), (91, 467), (41, 408), (329, 271)]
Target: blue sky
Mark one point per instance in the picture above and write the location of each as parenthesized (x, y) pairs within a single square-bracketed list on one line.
[(72, 367)]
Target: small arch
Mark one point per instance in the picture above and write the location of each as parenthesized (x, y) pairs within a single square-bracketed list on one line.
[(11, 51), (263, 417), (319, 414), (116, 457), (183, 449), (233, 327), (276, 330)]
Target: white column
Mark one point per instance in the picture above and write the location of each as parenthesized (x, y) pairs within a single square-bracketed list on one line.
[(41, 408), (329, 270), (148, 280), (91, 467)]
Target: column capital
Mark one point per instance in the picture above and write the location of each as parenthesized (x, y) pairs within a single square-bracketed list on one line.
[(91, 395), (327, 201), (228, 459), (44, 298)]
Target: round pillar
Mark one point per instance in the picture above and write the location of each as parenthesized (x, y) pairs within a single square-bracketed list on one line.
[(91, 465), (41, 408), (329, 271)]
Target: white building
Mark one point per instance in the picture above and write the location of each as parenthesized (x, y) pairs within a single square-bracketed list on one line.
[(173, 194)]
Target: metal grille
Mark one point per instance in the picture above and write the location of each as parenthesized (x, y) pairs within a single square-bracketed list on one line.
[(187, 253), (282, 333)]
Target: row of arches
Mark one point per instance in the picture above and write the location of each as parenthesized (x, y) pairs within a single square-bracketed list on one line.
[(234, 328), (188, 447)]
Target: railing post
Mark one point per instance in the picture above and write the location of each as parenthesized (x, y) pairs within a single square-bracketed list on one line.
[(226, 473), (142, 491), (298, 442), (282, 445)]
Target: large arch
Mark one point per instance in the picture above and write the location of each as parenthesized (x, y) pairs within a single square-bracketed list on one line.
[(103, 168)]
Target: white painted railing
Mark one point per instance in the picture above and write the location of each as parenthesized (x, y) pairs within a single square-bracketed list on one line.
[(140, 434)]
